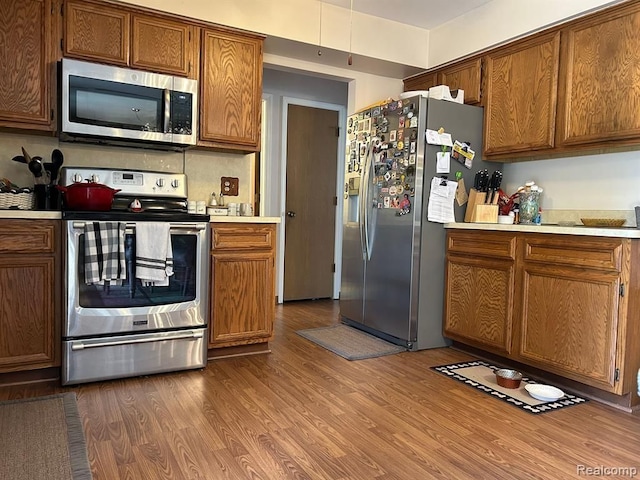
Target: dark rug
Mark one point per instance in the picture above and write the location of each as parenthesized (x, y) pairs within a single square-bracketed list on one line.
[(481, 375), (42, 438), (349, 342)]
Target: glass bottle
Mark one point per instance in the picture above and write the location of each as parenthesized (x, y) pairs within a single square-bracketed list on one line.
[(529, 206)]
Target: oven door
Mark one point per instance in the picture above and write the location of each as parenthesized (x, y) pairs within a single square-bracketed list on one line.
[(132, 307)]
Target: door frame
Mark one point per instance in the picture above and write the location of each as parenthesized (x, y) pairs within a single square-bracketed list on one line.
[(340, 158)]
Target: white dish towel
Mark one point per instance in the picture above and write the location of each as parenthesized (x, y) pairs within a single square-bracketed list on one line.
[(154, 257)]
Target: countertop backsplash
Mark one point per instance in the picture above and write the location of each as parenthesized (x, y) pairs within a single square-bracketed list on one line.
[(557, 216), (203, 168)]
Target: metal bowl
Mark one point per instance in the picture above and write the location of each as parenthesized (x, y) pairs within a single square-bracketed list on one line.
[(508, 378)]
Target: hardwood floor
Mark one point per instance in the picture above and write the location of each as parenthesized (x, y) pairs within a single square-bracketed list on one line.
[(303, 412)]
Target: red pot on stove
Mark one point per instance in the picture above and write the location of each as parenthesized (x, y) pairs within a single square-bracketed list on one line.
[(88, 196)]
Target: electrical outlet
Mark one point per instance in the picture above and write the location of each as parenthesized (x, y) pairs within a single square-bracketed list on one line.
[(229, 186)]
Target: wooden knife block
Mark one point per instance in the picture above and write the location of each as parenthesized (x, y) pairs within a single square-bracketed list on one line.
[(478, 211)]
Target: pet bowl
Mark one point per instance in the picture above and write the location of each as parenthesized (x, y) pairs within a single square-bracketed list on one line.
[(544, 393), (508, 378)]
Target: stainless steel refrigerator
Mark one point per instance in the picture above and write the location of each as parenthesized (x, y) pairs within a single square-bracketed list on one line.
[(393, 258)]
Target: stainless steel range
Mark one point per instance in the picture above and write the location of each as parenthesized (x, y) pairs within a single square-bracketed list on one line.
[(126, 325)]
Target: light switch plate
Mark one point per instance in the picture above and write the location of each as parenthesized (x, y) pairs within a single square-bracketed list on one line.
[(229, 186)]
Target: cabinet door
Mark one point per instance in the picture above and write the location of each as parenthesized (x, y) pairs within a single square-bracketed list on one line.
[(423, 81), (30, 294), (479, 289), (570, 305), (242, 298), (520, 103), (231, 90), (599, 92), (465, 76), (161, 45), (27, 333), (27, 67), (96, 32)]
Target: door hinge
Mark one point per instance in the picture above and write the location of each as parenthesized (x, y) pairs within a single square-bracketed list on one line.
[(335, 201), (622, 289), (52, 114), (616, 375), (62, 44), (189, 35), (62, 9), (337, 131), (333, 268)]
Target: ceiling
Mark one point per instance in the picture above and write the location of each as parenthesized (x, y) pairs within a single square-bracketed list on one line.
[(426, 14)]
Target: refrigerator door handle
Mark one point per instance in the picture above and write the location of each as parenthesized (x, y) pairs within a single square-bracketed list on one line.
[(367, 202), (362, 206)]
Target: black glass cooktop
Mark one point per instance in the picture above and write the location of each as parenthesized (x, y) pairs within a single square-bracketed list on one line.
[(125, 216)]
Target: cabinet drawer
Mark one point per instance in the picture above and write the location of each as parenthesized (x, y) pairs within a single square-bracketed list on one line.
[(27, 236), (482, 243), (598, 253), (242, 237)]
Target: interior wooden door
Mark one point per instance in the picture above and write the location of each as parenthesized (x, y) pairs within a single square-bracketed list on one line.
[(312, 148)]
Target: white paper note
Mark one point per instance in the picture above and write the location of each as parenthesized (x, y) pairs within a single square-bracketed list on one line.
[(441, 196), (443, 163)]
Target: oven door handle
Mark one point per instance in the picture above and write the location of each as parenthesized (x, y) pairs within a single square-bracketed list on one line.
[(80, 345), (176, 226)]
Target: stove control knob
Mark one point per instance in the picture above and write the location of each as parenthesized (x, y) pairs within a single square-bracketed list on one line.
[(77, 177), (160, 182), (175, 183), (95, 178)]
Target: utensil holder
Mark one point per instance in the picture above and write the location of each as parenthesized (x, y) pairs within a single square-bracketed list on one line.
[(47, 197)]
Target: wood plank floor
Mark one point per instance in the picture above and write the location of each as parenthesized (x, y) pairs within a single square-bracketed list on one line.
[(302, 412)]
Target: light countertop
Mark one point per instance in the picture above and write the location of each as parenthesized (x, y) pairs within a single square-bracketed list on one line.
[(56, 215), (242, 219), (621, 232), (31, 214)]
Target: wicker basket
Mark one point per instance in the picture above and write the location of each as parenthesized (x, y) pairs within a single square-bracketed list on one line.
[(17, 201), (603, 222)]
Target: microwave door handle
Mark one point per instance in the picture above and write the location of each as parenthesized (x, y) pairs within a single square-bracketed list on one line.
[(167, 111)]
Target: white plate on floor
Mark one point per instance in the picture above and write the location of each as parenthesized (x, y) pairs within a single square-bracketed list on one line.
[(544, 393)]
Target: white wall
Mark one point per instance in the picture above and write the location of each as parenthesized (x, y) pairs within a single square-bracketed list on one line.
[(299, 20), (499, 21), (595, 182)]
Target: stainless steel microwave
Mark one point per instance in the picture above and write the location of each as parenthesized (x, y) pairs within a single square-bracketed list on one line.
[(118, 105)]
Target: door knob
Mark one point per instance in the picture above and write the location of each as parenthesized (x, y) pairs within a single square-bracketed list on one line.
[(291, 214)]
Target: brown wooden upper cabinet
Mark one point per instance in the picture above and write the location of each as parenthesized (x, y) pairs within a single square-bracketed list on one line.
[(230, 90), (104, 33), (599, 89), (466, 75), (27, 68), (521, 95), (423, 81)]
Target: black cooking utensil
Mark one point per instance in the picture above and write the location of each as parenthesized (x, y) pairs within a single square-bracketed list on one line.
[(20, 159), (57, 159)]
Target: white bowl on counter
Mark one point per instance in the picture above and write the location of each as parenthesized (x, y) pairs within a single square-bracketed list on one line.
[(505, 219)]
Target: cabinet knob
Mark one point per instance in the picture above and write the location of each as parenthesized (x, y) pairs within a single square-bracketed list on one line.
[(291, 214)]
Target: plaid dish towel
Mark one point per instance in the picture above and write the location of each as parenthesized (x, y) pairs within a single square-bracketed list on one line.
[(104, 252), (154, 256)]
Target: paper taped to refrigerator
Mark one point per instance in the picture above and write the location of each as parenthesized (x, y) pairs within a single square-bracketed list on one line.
[(441, 196)]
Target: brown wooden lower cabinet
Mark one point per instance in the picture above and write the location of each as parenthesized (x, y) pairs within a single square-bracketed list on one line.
[(242, 284), (30, 295), (566, 304)]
